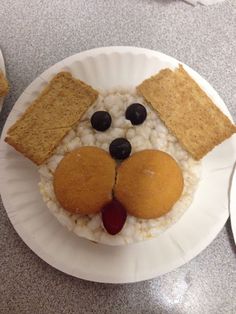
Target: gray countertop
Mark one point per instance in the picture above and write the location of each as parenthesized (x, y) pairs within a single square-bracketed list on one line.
[(35, 35)]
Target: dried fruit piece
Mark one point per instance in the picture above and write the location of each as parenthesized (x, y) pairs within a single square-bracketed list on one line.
[(113, 216)]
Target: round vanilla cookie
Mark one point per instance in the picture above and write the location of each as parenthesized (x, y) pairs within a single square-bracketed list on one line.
[(149, 183), (84, 179)]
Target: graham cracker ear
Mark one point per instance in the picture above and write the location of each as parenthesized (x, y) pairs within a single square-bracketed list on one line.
[(50, 117), (187, 111)]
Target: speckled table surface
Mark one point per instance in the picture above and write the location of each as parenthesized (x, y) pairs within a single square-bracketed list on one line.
[(35, 35)]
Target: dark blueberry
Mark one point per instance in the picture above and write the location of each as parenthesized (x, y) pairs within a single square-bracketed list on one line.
[(101, 120), (136, 113), (113, 217), (120, 148)]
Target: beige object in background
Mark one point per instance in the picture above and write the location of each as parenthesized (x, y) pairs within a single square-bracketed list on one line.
[(187, 111), (44, 124), (204, 2), (4, 86)]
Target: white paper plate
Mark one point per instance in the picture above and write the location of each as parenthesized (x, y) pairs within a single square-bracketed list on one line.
[(2, 67), (105, 68)]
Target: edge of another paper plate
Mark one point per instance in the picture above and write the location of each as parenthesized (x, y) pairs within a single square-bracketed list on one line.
[(2, 67)]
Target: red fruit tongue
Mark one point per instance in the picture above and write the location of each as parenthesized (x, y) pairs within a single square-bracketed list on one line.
[(113, 217)]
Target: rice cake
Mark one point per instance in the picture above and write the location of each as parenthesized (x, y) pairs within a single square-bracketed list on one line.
[(50, 117), (187, 111)]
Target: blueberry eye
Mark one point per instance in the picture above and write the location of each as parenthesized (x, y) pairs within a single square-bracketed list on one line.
[(120, 148), (101, 120), (136, 113)]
